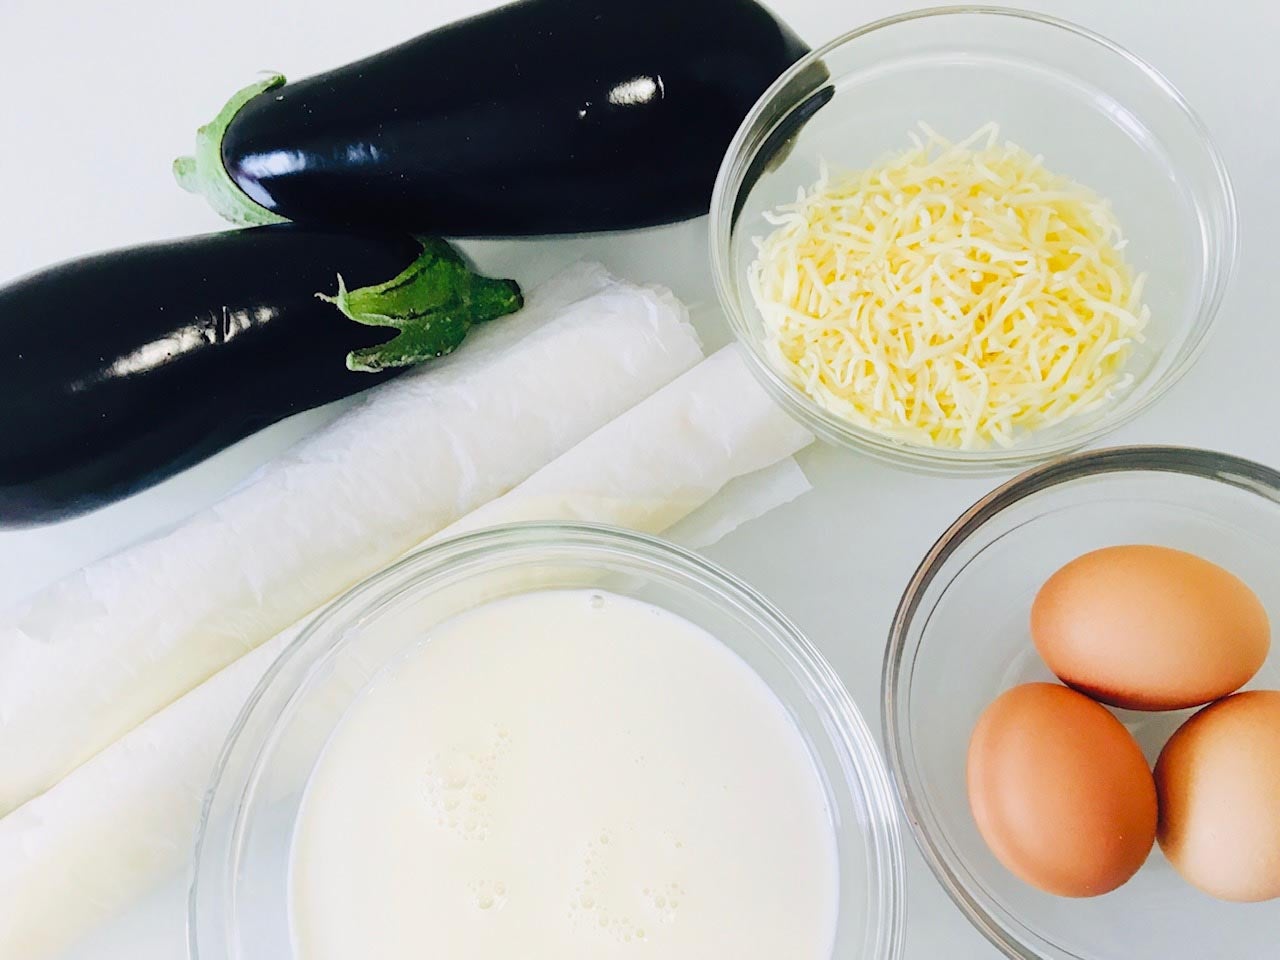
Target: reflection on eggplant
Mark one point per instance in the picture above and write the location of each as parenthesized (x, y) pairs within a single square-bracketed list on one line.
[(793, 107)]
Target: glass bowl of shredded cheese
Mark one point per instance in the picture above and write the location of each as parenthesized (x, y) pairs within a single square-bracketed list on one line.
[(971, 239)]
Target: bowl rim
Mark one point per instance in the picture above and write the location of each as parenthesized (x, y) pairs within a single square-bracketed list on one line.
[(1218, 272), (1234, 471), (878, 821)]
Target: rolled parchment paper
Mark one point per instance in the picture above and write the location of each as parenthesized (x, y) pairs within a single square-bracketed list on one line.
[(87, 660), (659, 461), (116, 826)]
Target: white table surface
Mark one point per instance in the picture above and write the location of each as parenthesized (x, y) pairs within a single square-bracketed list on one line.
[(98, 97)]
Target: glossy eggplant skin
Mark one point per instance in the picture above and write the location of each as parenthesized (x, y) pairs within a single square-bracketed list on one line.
[(541, 117), (120, 369)]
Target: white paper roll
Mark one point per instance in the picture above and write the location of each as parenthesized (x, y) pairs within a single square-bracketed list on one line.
[(90, 658), (108, 832), (659, 461)]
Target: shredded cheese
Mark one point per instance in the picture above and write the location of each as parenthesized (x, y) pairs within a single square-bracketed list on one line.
[(958, 295)]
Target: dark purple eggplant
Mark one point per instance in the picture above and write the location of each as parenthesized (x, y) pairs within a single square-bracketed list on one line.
[(121, 369), (541, 117)]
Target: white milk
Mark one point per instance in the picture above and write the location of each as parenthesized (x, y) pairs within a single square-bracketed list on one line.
[(561, 775)]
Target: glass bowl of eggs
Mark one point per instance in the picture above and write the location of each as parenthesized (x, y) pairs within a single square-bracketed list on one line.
[(970, 239), (1079, 708)]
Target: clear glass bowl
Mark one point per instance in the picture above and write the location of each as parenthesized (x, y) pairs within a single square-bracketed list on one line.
[(1093, 110), (238, 906), (961, 637)]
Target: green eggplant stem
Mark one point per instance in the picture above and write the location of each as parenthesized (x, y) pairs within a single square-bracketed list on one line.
[(433, 302), (204, 173)]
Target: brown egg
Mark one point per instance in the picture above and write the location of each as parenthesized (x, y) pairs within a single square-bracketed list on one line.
[(1219, 786), (1060, 791), (1149, 628)]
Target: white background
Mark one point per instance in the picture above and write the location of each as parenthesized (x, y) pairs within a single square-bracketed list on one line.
[(98, 97)]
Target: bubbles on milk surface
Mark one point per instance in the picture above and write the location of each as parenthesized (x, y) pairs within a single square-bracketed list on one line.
[(458, 785), (488, 894), (547, 781), (628, 888)]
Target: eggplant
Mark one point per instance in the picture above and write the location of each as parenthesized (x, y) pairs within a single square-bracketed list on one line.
[(121, 369), (540, 117)]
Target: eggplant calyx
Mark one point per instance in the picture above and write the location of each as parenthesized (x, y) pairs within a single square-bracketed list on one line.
[(433, 302), (204, 173)]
